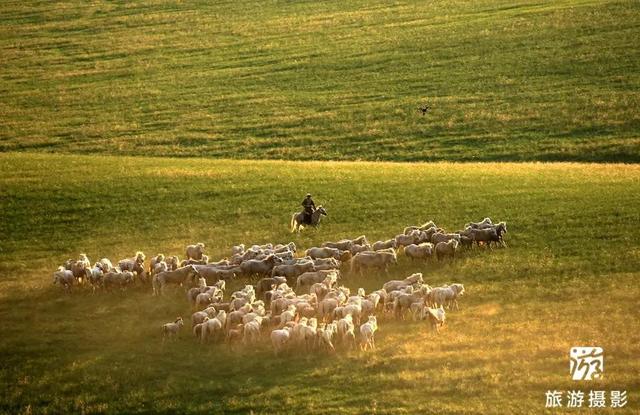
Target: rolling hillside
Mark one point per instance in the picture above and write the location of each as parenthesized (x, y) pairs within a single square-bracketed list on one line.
[(568, 277), (266, 79)]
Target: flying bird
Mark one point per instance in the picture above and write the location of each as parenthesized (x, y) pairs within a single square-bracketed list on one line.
[(424, 109)]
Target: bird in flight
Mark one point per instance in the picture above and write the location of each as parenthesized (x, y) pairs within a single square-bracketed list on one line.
[(424, 109)]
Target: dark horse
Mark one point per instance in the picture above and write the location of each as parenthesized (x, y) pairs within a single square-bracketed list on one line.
[(298, 220)]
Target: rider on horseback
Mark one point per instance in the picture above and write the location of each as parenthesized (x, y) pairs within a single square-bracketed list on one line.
[(309, 206)]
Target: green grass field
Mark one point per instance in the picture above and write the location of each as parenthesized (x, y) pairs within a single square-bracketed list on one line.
[(569, 277), (330, 80)]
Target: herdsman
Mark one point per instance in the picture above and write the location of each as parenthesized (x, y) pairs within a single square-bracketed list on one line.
[(309, 206)]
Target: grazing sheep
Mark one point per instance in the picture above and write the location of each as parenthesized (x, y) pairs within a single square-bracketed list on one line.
[(266, 284), (446, 296), (390, 243), (252, 331), (367, 331), (325, 336), (403, 240), (489, 235), (402, 303), (202, 261), (422, 251), (360, 240), (197, 328), (343, 245), (105, 265), (445, 249), (64, 277), (394, 285), (237, 249), (360, 248), (309, 278), (199, 316), (195, 251), (96, 276), (118, 279), (173, 263), (485, 223), (436, 238), (279, 339), (292, 271), (436, 318), (259, 267), (180, 276), (214, 327), (343, 327), (235, 333), (155, 261), (325, 252), (171, 329), (378, 259), (133, 263)]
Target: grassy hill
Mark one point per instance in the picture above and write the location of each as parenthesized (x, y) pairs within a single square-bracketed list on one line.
[(569, 277), (338, 80)]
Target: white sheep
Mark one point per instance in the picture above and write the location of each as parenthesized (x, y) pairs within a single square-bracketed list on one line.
[(367, 332), (171, 329), (279, 339), (252, 331), (64, 277)]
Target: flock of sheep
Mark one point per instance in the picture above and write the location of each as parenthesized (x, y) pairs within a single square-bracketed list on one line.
[(297, 300)]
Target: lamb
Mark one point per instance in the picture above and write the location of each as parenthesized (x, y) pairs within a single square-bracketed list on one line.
[(195, 251), (390, 243), (171, 329), (422, 251), (445, 249), (367, 332)]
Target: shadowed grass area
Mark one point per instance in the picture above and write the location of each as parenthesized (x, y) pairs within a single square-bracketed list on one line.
[(568, 277), (310, 80)]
